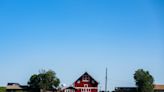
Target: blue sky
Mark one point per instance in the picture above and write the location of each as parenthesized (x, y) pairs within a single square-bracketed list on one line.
[(74, 36)]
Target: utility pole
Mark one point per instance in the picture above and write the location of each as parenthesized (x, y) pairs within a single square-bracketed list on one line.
[(106, 79)]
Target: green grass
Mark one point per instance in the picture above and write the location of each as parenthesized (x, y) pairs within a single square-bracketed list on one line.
[(2, 89)]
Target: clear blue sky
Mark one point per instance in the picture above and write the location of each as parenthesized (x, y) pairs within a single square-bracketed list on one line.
[(74, 36)]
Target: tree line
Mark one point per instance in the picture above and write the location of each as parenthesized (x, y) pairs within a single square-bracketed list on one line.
[(46, 80)]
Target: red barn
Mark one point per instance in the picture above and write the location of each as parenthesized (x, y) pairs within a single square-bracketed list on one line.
[(86, 83)]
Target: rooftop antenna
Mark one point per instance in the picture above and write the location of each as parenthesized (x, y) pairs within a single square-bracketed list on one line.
[(106, 79)]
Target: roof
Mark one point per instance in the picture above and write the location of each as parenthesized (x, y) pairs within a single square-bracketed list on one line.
[(16, 86), (13, 87), (69, 87), (126, 87), (86, 73), (158, 87)]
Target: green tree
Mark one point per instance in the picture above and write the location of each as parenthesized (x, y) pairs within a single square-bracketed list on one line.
[(44, 80), (144, 81), (2, 89), (34, 83)]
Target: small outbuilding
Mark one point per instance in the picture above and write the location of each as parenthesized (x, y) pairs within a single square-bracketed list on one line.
[(69, 89)]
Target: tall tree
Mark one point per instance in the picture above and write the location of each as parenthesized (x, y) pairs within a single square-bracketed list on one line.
[(44, 80), (144, 81)]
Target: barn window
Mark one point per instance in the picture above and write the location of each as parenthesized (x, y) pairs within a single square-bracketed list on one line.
[(78, 82), (89, 90), (67, 90), (82, 90), (86, 78), (85, 85)]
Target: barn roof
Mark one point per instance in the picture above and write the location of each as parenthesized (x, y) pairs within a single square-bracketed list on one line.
[(86, 73)]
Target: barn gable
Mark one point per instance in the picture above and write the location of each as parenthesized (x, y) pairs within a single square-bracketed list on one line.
[(86, 83), (86, 77)]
